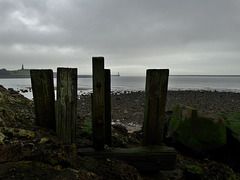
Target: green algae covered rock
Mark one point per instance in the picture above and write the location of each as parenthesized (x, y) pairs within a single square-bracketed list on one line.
[(194, 172), (198, 131), (233, 125)]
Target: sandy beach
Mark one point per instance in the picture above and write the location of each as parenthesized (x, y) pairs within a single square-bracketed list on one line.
[(128, 108)]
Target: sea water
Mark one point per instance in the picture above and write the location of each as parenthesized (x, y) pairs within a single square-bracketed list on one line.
[(137, 83)]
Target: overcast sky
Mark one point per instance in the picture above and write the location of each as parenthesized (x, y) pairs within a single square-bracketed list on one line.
[(185, 36)]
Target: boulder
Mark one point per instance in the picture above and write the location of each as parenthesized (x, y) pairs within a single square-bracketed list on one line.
[(197, 130), (233, 126)]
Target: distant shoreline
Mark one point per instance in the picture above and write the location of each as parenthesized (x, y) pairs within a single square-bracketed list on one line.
[(90, 76), (25, 73), (14, 77), (28, 76), (209, 75)]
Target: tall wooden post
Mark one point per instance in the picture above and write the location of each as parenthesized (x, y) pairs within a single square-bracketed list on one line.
[(98, 103), (155, 102), (108, 117), (44, 99), (66, 111)]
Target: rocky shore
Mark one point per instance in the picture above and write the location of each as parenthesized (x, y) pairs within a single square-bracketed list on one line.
[(31, 152), (128, 107), (128, 111)]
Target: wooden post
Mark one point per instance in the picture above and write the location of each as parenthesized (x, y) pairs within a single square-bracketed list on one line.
[(155, 102), (108, 116), (98, 103), (44, 99), (66, 111)]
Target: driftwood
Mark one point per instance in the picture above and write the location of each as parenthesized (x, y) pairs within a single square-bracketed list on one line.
[(145, 159)]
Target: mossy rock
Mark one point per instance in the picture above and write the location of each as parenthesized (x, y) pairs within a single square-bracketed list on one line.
[(194, 172), (17, 132), (198, 131), (36, 170), (85, 129), (194, 169), (15, 110), (233, 125)]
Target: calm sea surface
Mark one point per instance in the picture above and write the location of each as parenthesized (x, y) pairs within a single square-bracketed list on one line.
[(137, 83)]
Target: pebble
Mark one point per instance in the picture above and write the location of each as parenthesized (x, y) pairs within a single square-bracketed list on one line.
[(129, 107)]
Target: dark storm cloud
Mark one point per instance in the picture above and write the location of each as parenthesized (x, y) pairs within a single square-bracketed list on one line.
[(181, 35)]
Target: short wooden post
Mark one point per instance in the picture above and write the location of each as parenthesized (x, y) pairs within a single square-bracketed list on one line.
[(98, 103), (44, 99), (66, 111), (108, 118), (155, 102)]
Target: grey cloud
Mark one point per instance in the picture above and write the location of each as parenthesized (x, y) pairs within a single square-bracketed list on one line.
[(147, 33)]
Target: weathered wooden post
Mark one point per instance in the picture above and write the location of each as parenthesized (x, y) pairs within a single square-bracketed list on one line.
[(44, 99), (108, 118), (98, 103), (66, 110), (155, 102), (148, 158)]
